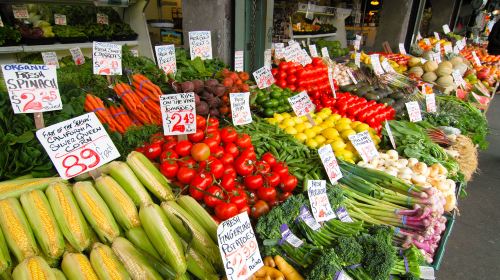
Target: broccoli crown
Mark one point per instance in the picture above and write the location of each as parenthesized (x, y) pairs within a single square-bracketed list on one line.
[(326, 267), (335, 196), (379, 254), (348, 250), (409, 276)]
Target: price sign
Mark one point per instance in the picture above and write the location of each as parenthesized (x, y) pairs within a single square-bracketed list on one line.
[(107, 58), (427, 41), (352, 76), (238, 61), (324, 52), (436, 35), (419, 36), (357, 59), (387, 67), (357, 42), (436, 57), (427, 272), (77, 55), (50, 58), (463, 43), (240, 108), (457, 77), (430, 103), (165, 56), (135, 53), (238, 247), (330, 163), (402, 48), (343, 215), (32, 88), (374, 58), (447, 48), (293, 53), (305, 58), (303, 44), (423, 60), (20, 11), (437, 47), (306, 216), (413, 111), (330, 80), (279, 52), (301, 104), (263, 77), (178, 112), (200, 44), (456, 50), (313, 51), (389, 133), (341, 275), (364, 145), (476, 59), (446, 29), (77, 145), (288, 236), (102, 18), (267, 58), (320, 205), (60, 19)]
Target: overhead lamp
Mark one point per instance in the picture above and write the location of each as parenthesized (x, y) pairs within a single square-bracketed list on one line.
[(374, 2)]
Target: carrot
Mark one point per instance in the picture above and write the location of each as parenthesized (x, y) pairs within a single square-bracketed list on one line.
[(269, 261), (140, 78), (152, 94), (287, 270), (267, 271)]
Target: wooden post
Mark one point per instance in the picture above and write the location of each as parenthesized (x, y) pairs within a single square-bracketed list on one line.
[(387, 47), (39, 122)]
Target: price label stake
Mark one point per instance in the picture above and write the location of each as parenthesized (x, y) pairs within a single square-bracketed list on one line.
[(375, 61), (351, 76), (402, 49), (60, 19), (446, 29), (357, 42), (324, 52), (107, 59), (279, 50), (102, 19), (476, 59), (238, 61), (268, 58), (200, 44), (330, 163), (263, 77), (430, 103), (436, 35), (77, 55), (178, 112), (320, 205), (413, 111), (20, 11), (389, 133), (313, 51), (238, 247), (357, 59), (165, 56), (240, 108), (331, 81), (77, 145), (363, 143), (50, 58), (302, 105)]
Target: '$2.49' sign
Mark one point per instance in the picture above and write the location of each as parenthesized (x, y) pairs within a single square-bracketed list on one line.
[(178, 113)]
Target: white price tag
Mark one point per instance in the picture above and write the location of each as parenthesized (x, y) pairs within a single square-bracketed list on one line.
[(306, 216), (423, 60), (268, 58), (293, 53), (324, 52), (240, 108), (135, 53), (77, 55), (458, 78), (178, 112), (330, 80), (427, 272), (102, 19), (377, 68), (357, 42), (343, 215), (60, 19), (313, 51), (437, 47), (357, 59), (414, 113), (330, 163), (447, 48), (20, 11), (320, 205), (427, 41), (263, 77), (32, 88), (387, 67), (304, 58), (301, 104), (363, 143), (446, 29), (238, 61), (107, 58), (304, 44), (352, 76), (430, 103), (279, 50), (77, 145), (50, 58), (389, 133), (402, 48), (200, 44), (238, 247), (288, 236), (165, 57), (1, 22), (436, 35), (476, 59), (419, 36), (456, 50), (436, 57)]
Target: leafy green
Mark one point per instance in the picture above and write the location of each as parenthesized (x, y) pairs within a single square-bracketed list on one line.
[(188, 69)]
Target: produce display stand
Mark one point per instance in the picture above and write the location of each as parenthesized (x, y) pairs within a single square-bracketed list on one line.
[(438, 257)]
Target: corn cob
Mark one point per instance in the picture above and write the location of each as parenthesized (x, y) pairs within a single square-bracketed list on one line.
[(69, 216), (140, 239), (149, 175), (95, 211), (121, 172), (76, 266), (163, 236), (120, 204), (136, 263), (33, 268), (16, 229), (198, 264), (43, 223), (14, 188), (199, 214), (5, 261), (106, 263), (189, 229), (58, 274)]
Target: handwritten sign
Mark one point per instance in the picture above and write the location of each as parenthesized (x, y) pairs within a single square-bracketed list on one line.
[(330, 163), (364, 145), (268, 58), (102, 18), (324, 52), (77, 55), (77, 145), (240, 108), (279, 50), (320, 205), (60, 19), (413, 111), (293, 53), (375, 61), (476, 59), (446, 29), (387, 67), (351, 76), (430, 103), (301, 104), (165, 56), (389, 133), (238, 61), (134, 52), (178, 112), (436, 35), (461, 43), (306, 216), (107, 58), (457, 77), (288, 237), (32, 88), (313, 51), (357, 59), (50, 58), (238, 247), (332, 83), (200, 44), (427, 41), (343, 215), (423, 60), (357, 42), (436, 57), (447, 48), (304, 58), (419, 36), (437, 47), (20, 11), (402, 49), (263, 77)]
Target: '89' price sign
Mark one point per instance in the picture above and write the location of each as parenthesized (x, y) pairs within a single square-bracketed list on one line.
[(178, 112), (77, 145)]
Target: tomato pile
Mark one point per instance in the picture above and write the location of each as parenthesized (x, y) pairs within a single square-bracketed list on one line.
[(399, 58), (313, 77), (234, 82), (219, 167)]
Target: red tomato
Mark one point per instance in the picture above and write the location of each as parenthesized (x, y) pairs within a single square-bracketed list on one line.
[(243, 140), (183, 148), (274, 71), (214, 134), (254, 182), (262, 167), (267, 194), (228, 182), (283, 66), (269, 158), (215, 167), (249, 153), (157, 138), (169, 145), (281, 169), (245, 208), (227, 159), (281, 83), (153, 150), (187, 162), (212, 143), (289, 183), (243, 166), (218, 151), (169, 169), (214, 196), (196, 137), (238, 197), (284, 196), (141, 149), (291, 79), (200, 151), (185, 175), (201, 180), (225, 210), (213, 122), (201, 122), (259, 208), (196, 193), (272, 179), (281, 75), (168, 154), (292, 87), (232, 149), (169, 138), (228, 134)]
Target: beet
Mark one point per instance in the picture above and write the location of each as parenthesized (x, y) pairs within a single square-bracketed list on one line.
[(198, 85), (202, 108), (210, 89), (211, 83), (177, 87), (206, 95), (196, 99), (220, 90), (187, 86), (214, 112)]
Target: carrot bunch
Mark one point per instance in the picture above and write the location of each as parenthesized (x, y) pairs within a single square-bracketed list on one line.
[(107, 116), (141, 102)]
